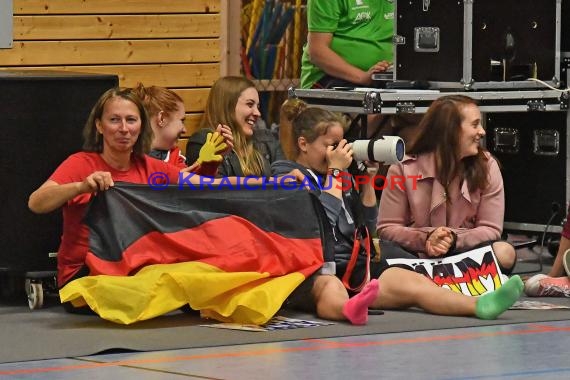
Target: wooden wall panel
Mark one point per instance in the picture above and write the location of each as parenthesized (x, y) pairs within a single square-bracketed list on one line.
[(115, 6), (195, 75), (171, 43), (192, 122), (182, 142), (110, 52), (194, 98), (116, 27)]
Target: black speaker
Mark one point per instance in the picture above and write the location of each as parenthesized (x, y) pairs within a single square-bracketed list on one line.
[(565, 27), (43, 114), (531, 148)]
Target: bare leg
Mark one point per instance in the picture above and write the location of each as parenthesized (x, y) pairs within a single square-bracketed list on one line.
[(505, 253), (330, 296), (401, 288), (557, 268), (333, 302)]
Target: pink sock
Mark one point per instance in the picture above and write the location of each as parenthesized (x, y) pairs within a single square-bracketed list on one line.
[(356, 308)]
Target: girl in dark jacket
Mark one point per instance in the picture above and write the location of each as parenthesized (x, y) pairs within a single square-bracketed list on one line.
[(233, 103)]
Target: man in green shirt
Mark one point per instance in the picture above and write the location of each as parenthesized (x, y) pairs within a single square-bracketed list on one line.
[(348, 41)]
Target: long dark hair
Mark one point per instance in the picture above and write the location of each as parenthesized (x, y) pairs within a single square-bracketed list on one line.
[(440, 130)]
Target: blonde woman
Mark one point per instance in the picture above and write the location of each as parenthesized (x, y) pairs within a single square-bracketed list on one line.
[(234, 102)]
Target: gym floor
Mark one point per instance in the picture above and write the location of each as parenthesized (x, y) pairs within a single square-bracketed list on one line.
[(492, 352), (528, 351)]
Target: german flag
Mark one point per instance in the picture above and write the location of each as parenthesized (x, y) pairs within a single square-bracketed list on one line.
[(235, 255)]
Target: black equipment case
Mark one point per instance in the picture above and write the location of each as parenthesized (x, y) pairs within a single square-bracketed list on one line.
[(532, 150), (43, 114), (478, 44), (565, 28), (526, 131), (368, 100)]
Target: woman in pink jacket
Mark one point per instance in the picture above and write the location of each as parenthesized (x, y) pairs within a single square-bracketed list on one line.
[(447, 196)]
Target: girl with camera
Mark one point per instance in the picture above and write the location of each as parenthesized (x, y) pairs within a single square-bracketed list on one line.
[(358, 278)]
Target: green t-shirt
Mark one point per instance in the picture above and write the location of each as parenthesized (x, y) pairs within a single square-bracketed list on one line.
[(362, 32)]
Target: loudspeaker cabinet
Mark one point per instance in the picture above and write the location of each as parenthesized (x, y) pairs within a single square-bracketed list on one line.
[(43, 114)]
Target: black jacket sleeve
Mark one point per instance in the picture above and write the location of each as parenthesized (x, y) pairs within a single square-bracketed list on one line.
[(269, 146), (195, 143)]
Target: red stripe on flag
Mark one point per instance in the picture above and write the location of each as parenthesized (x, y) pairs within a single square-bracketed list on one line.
[(232, 244)]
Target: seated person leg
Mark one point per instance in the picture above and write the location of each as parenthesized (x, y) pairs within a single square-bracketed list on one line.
[(506, 256), (332, 300), (491, 305), (356, 308), (402, 288)]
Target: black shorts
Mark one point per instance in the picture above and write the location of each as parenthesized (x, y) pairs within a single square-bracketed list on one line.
[(302, 298)]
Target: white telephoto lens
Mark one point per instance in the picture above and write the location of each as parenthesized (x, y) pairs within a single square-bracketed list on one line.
[(386, 149)]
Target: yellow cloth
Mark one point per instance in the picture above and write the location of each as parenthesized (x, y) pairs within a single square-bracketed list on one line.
[(240, 297)]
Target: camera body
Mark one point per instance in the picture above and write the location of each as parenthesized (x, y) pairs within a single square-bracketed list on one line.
[(386, 149)]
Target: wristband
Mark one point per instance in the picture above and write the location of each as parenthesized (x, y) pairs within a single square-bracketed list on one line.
[(334, 172), (429, 234), (453, 243)]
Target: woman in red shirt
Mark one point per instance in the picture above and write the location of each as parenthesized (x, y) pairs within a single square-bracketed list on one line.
[(116, 137)]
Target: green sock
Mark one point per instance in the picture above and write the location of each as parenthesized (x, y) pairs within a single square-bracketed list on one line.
[(491, 305)]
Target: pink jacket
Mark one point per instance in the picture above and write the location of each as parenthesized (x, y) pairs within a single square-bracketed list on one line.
[(407, 215)]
